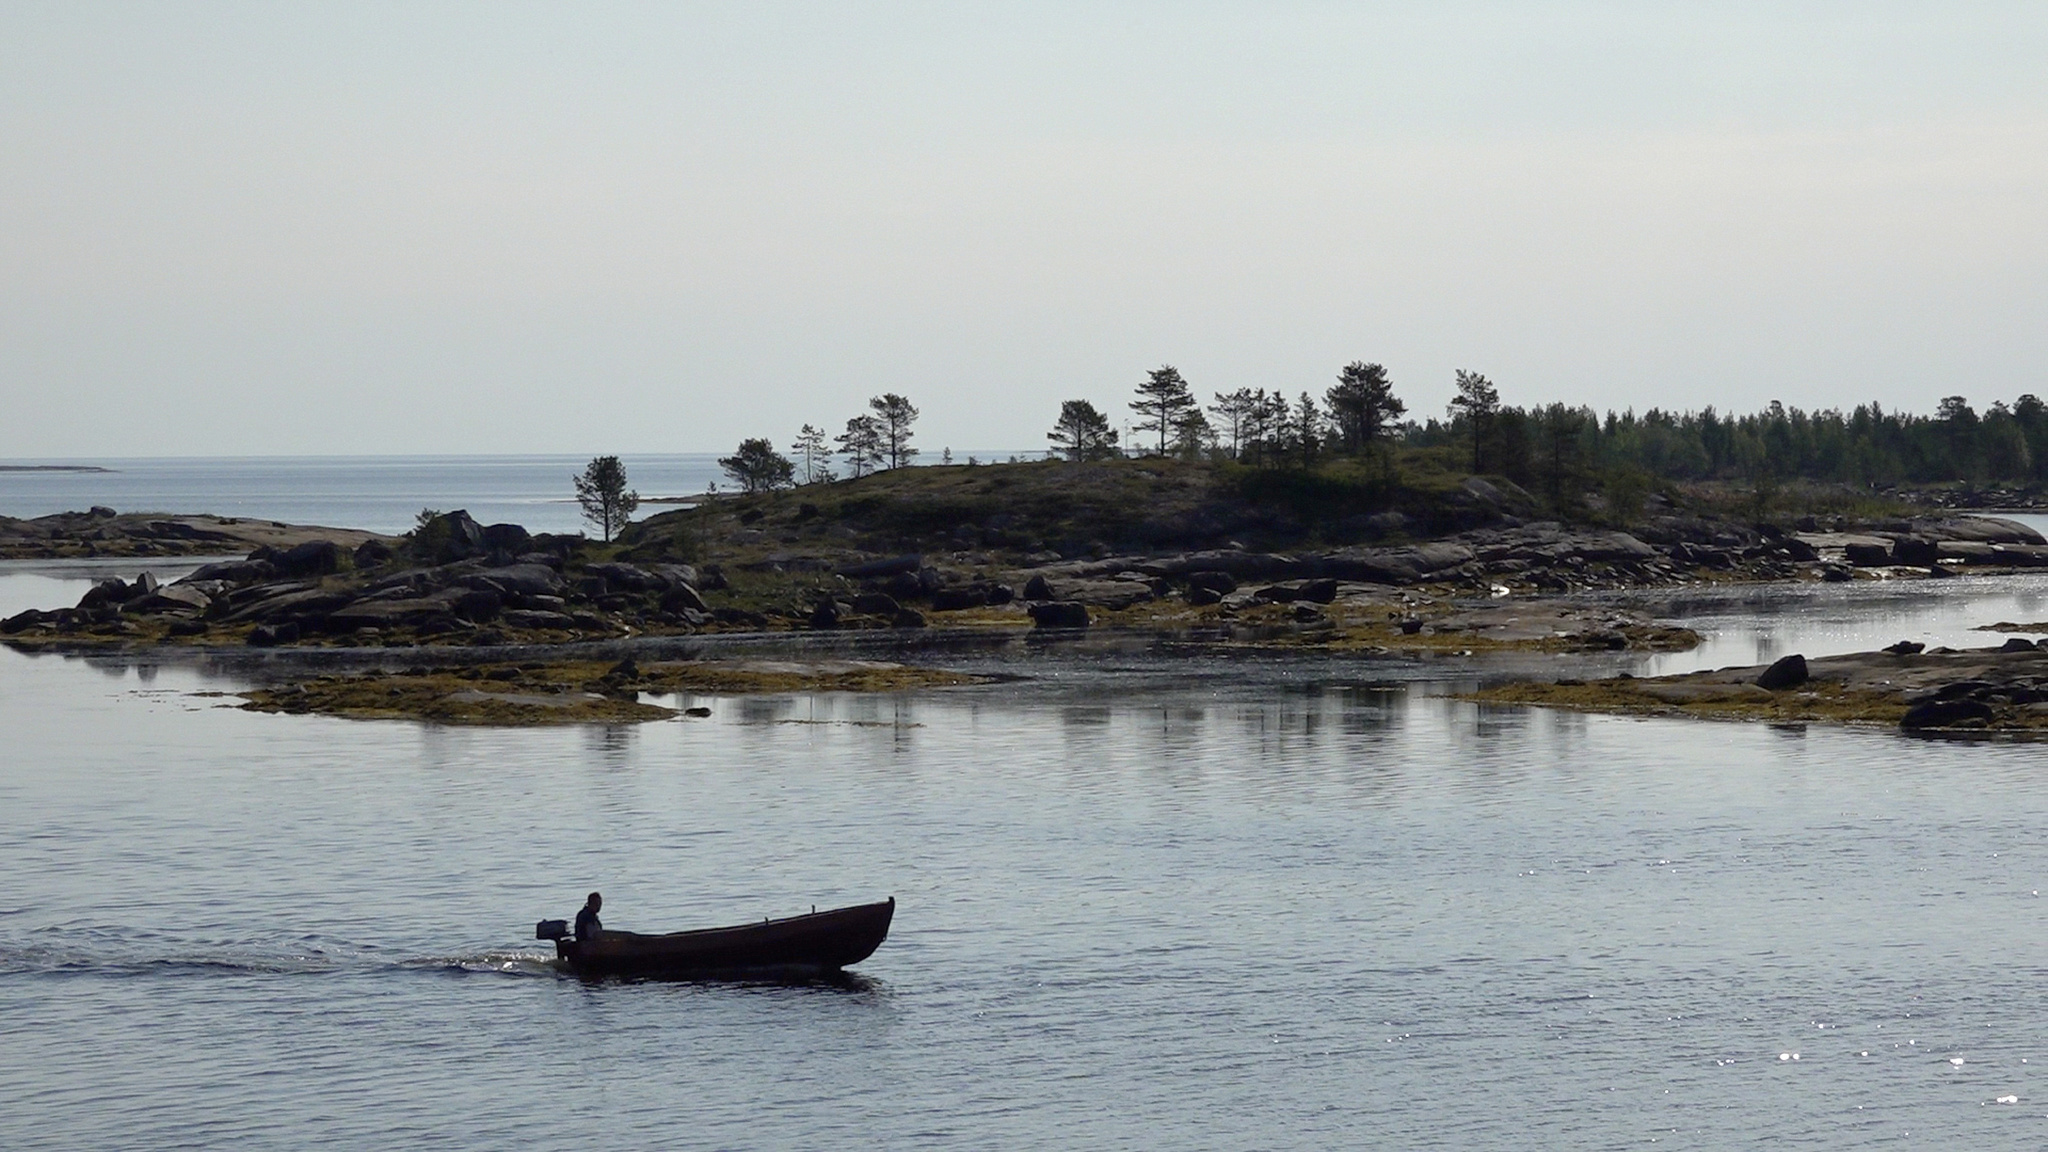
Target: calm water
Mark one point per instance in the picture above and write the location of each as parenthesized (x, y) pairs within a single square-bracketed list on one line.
[(381, 493), (1141, 904)]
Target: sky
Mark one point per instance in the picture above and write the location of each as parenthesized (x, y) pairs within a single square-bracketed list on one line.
[(277, 229)]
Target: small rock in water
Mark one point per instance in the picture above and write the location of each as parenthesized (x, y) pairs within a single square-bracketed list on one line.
[(1907, 648)]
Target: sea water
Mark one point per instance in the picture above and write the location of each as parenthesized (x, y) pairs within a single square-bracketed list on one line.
[(1146, 898)]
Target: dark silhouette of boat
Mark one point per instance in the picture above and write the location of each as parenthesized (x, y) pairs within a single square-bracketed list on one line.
[(820, 942)]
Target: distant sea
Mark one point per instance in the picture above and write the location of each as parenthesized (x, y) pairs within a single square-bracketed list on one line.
[(380, 493)]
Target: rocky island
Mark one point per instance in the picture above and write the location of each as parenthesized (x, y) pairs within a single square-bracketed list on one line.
[(1050, 547)]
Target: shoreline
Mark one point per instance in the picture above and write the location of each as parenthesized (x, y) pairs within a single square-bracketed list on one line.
[(2002, 690)]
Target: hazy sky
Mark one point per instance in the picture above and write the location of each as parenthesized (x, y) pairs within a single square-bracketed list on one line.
[(293, 228)]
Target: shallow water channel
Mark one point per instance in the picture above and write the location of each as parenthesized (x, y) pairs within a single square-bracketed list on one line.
[(1147, 898)]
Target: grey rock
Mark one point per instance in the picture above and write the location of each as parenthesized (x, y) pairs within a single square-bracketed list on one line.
[(1059, 614), (1945, 713), (1787, 672)]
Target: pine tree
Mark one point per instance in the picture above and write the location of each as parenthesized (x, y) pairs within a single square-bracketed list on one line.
[(1163, 399), (1082, 433), (606, 501), (861, 444), (758, 467), (893, 417), (1233, 409), (1479, 402), (1362, 404), (813, 455)]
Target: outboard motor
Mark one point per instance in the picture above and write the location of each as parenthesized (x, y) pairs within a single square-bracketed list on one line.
[(551, 930)]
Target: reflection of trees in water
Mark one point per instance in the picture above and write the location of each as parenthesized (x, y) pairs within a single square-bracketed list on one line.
[(612, 744)]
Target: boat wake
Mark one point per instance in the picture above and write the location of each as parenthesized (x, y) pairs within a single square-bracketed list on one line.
[(102, 952)]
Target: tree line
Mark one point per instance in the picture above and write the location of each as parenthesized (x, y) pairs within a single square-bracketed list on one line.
[(1553, 448)]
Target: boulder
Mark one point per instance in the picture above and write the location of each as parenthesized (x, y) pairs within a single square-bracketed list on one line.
[(1201, 597), (112, 590), (955, 599), (907, 618), (825, 616), (293, 601), (449, 537), (171, 598), (525, 579), (508, 539), (371, 553), (1866, 554), (1001, 594), (1907, 648), (877, 604), (1919, 550), (1059, 614), (233, 572), (312, 558), (674, 574), (1037, 588), (2018, 644), (1212, 580), (1945, 713), (1787, 672), (23, 621), (144, 584), (628, 577), (1983, 530), (682, 598), (904, 586), (1968, 551)]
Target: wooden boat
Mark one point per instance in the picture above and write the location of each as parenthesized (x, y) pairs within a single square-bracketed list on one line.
[(817, 942)]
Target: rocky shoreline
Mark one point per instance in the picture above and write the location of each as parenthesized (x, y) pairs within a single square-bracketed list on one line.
[(461, 583), (1988, 690), (456, 584)]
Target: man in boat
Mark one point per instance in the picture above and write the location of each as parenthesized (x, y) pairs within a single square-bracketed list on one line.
[(587, 926)]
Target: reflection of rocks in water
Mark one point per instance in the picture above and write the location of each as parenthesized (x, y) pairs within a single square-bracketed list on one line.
[(765, 709), (1086, 715)]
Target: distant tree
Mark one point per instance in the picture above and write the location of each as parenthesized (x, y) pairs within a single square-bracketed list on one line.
[(813, 455), (1959, 425), (758, 467), (1264, 424), (1163, 401), (1304, 429), (1478, 401), (893, 417), (1192, 435), (1232, 410), (861, 444), (1082, 433), (1363, 405), (1560, 429), (607, 502)]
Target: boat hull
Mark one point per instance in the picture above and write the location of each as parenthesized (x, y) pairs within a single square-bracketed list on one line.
[(818, 942)]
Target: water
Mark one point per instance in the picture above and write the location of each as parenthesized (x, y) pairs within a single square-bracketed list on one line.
[(1243, 904), (380, 493)]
